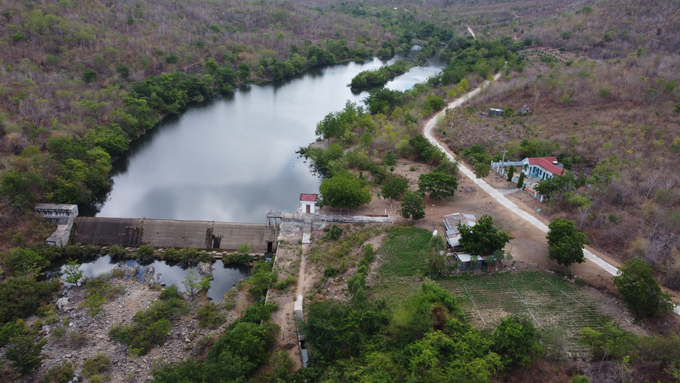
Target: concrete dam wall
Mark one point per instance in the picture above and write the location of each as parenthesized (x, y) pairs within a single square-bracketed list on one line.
[(101, 231)]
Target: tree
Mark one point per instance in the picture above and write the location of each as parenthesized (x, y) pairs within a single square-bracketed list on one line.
[(565, 242), (437, 185), (516, 340), (194, 283), (342, 192), (511, 173), (89, 76), (329, 127), (640, 291), (73, 272), (482, 169), (24, 352), (520, 181), (244, 249), (482, 238), (243, 71), (389, 159), (412, 206), (394, 187), (123, 70)]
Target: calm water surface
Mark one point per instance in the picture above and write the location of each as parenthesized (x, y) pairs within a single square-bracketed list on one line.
[(233, 159)]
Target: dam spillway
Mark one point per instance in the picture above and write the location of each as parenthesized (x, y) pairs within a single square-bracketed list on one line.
[(101, 231)]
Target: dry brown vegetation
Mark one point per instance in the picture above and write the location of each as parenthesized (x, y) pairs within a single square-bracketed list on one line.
[(615, 121)]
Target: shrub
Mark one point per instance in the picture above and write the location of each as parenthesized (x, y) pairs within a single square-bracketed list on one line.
[(261, 279), (21, 297), (117, 251), (145, 251), (333, 233), (640, 291), (516, 340), (11, 329), (25, 353), (96, 365), (89, 76), (99, 290), (150, 327), (60, 373), (330, 271), (76, 339), (284, 283), (210, 317)]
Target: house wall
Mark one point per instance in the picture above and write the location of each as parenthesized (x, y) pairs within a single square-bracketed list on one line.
[(304, 204), (472, 266)]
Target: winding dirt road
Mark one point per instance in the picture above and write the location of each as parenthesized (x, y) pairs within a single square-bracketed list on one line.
[(495, 194)]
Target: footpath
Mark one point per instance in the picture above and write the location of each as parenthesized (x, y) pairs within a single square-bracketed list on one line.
[(495, 194)]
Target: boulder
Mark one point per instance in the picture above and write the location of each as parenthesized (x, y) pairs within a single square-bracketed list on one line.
[(128, 271), (62, 303), (204, 269)]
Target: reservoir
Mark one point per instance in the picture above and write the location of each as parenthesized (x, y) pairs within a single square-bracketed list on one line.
[(233, 159)]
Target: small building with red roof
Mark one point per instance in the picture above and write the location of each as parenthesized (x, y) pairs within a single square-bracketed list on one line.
[(307, 203), (542, 167)]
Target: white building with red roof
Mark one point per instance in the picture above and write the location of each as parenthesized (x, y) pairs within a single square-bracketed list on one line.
[(308, 203), (542, 167)]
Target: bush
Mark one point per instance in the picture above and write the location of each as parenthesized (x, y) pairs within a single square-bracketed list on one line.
[(330, 271), (21, 297), (145, 251), (261, 279), (117, 251), (333, 233), (96, 365), (99, 290), (60, 373), (640, 291), (150, 327), (24, 261), (210, 317), (25, 353), (284, 283), (76, 339), (516, 340), (11, 329)]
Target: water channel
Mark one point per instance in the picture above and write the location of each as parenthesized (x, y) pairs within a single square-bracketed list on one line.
[(231, 159)]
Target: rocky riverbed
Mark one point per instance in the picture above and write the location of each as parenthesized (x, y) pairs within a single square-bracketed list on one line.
[(77, 336)]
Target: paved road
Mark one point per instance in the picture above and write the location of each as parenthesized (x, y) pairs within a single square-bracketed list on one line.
[(604, 265)]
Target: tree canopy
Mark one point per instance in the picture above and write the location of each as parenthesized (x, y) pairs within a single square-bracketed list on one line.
[(482, 238), (343, 192), (565, 242), (394, 187), (412, 206), (438, 185), (640, 291)]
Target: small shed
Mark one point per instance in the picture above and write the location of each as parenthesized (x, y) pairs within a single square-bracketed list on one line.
[(451, 222), (493, 112), (308, 203), (467, 263)]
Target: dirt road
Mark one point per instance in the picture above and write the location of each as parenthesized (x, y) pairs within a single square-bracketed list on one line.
[(502, 199)]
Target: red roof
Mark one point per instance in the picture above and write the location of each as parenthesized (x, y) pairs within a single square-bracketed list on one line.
[(547, 164), (308, 197)]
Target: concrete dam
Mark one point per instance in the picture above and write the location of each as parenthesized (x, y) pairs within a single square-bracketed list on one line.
[(261, 238)]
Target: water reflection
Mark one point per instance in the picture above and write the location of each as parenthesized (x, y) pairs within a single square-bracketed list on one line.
[(224, 276), (233, 158)]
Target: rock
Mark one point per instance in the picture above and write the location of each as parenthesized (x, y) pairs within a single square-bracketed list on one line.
[(61, 303), (128, 271), (149, 275), (204, 269)]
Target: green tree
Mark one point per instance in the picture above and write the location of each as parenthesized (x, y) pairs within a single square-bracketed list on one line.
[(73, 272), (342, 192), (482, 238), (244, 248), (565, 242), (516, 340), (640, 291), (412, 206), (171, 59), (437, 185), (511, 173), (482, 169), (25, 353), (243, 71), (520, 181), (389, 159), (89, 76), (123, 70), (394, 187)]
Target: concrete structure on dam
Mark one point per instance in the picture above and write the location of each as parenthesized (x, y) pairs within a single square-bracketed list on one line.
[(261, 238)]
